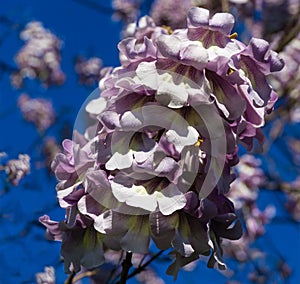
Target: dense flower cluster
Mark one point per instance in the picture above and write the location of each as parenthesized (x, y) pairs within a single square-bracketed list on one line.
[(293, 198), (88, 70), (49, 150), (287, 84), (170, 13), (244, 193), (17, 169), (38, 111), (157, 163), (264, 18), (39, 58), (47, 277), (244, 190), (126, 10)]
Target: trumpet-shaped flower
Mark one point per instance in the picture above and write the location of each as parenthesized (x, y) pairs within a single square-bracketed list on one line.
[(167, 125)]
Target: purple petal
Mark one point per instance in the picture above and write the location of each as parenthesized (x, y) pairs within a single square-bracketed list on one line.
[(163, 229), (53, 230)]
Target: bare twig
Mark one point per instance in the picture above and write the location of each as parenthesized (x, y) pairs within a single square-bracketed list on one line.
[(126, 265), (142, 267), (84, 274)]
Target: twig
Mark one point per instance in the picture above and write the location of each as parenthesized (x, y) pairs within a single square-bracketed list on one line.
[(85, 274), (290, 33), (70, 278), (110, 278), (126, 264), (6, 67), (142, 267), (224, 5)]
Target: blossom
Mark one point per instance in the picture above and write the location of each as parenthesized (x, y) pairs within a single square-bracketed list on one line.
[(39, 57), (293, 198), (145, 26), (50, 149), (88, 70), (285, 82), (170, 13), (47, 277), (244, 190), (39, 111), (17, 169), (157, 162), (126, 11)]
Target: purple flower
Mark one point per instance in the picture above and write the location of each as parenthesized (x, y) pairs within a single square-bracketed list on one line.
[(38, 111), (39, 58), (250, 177), (145, 27), (170, 13), (17, 169), (209, 31), (47, 277), (126, 10), (159, 160), (50, 150), (88, 70)]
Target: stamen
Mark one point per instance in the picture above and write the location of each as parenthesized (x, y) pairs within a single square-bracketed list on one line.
[(168, 29), (233, 36), (230, 71), (199, 142)]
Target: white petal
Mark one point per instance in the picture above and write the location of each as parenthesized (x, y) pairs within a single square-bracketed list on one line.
[(96, 106), (179, 138), (171, 95), (99, 223), (147, 74), (170, 199), (119, 161), (121, 192)]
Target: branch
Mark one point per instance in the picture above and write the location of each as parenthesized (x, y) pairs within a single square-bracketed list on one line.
[(84, 274), (126, 264), (6, 67), (142, 267), (70, 278), (290, 32)]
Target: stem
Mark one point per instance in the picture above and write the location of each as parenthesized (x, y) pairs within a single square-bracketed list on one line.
[(289, 34), (70, 278), (142, 267), (224, 5), (84, 274), (126, 264)]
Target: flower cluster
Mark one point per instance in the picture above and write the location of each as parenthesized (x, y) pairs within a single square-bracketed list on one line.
[(287, 83), (244, 190), (293, 198), (88, 70), (264, 18), (244, 193), (126, 10), (38, 111), (157, 163), (39, 58), (170, 13), (50, 149), (47, 277), (17, 169)]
